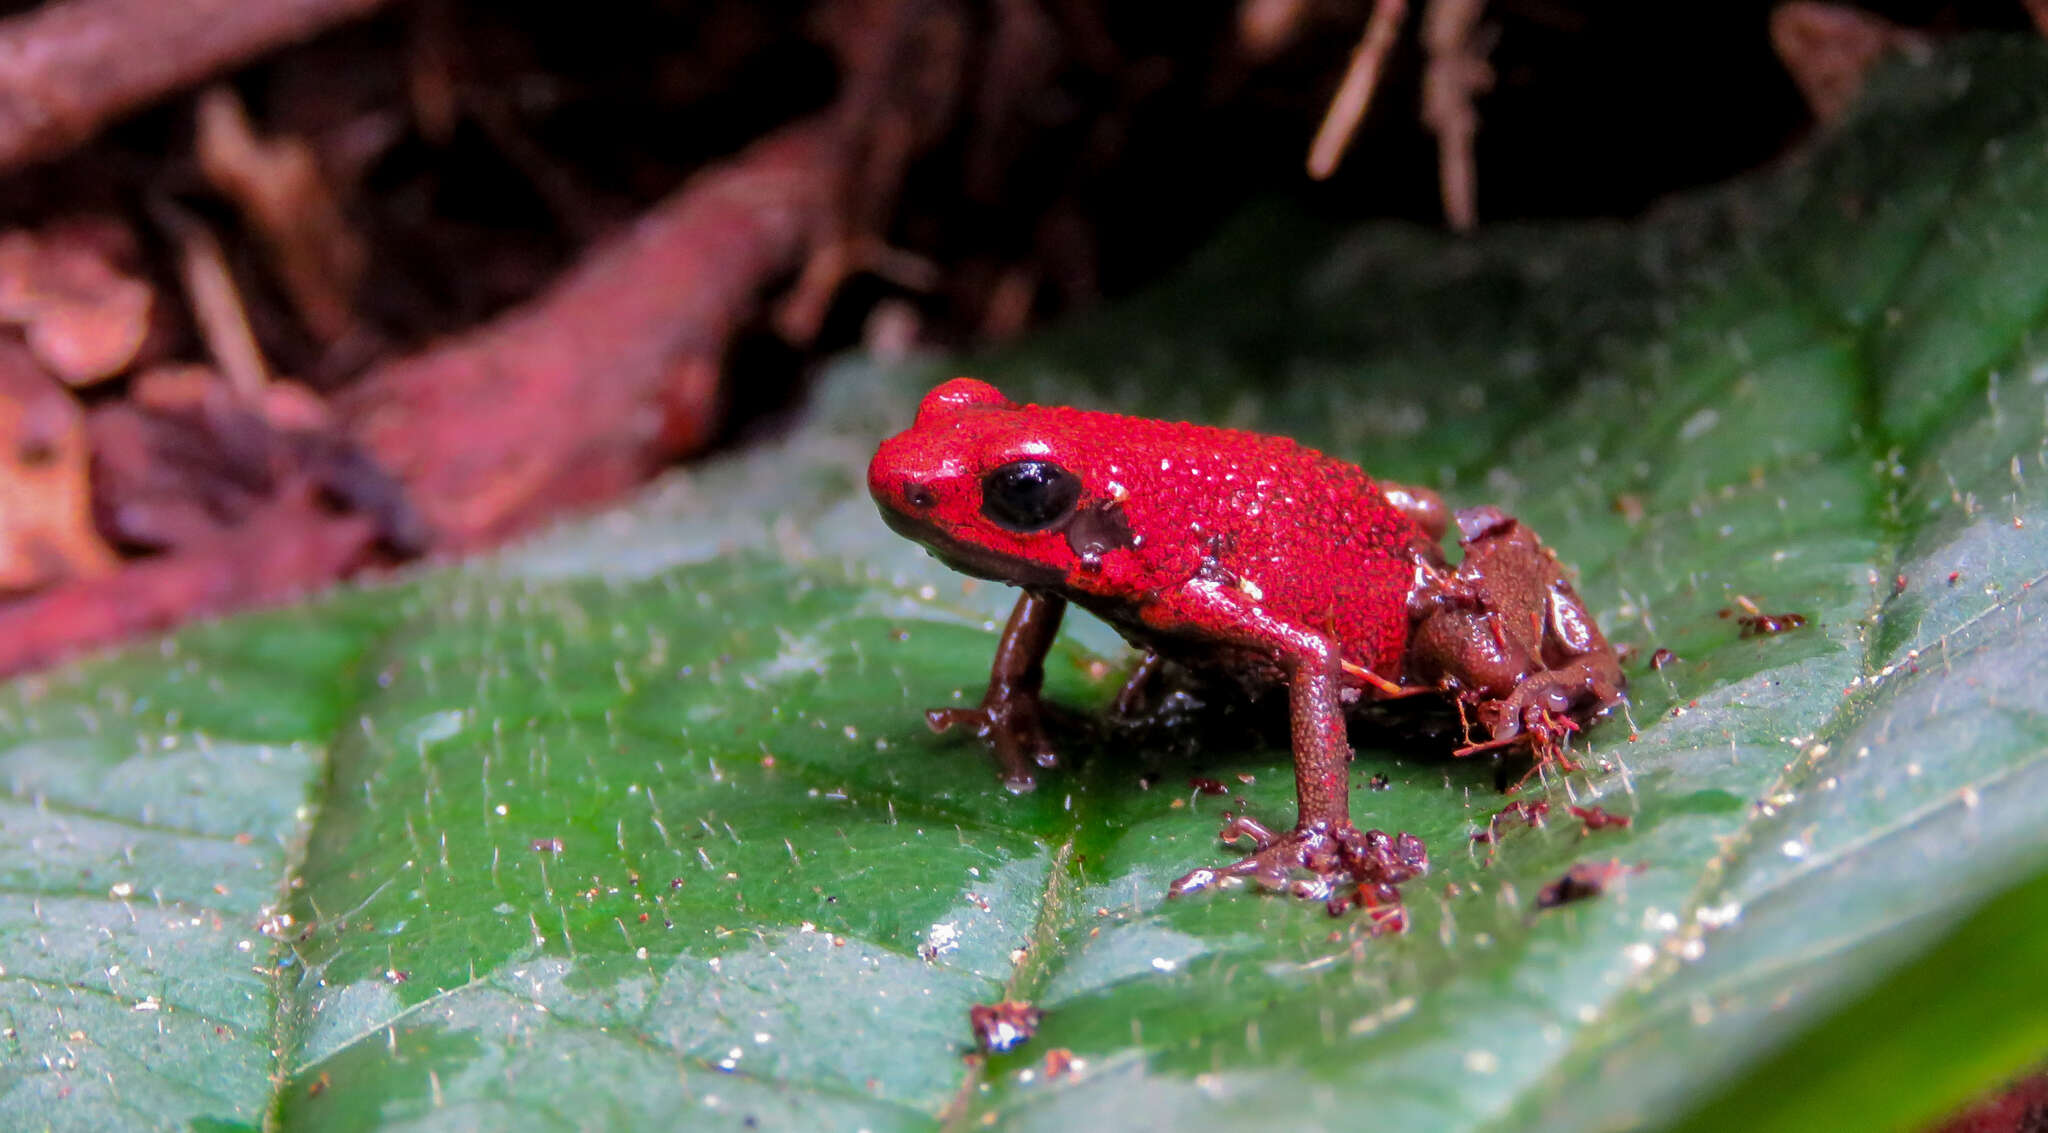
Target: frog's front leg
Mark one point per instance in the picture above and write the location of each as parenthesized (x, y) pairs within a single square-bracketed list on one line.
[(1323, 842), (1011, 715)]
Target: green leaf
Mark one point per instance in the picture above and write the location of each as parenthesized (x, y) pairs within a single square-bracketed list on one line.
[(1822, 1080), (639, 825)]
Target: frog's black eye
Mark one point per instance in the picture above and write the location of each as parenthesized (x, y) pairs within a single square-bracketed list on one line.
[(1029, 495)]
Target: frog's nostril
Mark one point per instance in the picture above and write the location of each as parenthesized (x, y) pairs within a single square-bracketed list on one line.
[(919, 496)]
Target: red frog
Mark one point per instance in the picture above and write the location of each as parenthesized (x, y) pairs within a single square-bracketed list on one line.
[(1253, 559)]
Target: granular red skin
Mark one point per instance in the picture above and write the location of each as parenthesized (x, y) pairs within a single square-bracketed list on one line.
[(1311, 538)]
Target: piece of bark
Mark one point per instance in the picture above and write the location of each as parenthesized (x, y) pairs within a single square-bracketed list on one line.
[(580, 394), (69, 67), (291, 547), (46, 529)]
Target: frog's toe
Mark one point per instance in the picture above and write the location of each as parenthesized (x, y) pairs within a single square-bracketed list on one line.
[(1014, 733), (1343, 866)]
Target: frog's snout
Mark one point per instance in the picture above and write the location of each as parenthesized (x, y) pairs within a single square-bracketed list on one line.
[(894, 485)]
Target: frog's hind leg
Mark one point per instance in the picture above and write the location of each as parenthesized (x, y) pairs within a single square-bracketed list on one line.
[(1135, 698)]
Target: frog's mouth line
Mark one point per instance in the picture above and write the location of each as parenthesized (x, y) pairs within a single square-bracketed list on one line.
[(968, 558)]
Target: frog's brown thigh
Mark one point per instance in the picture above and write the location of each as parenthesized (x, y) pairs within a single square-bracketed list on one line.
[(1010, 715)]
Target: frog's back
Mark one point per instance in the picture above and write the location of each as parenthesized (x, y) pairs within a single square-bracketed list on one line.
[(1310, 538)]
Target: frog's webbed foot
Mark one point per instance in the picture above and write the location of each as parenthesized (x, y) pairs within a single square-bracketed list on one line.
[(1013, 727), (1345, 866)]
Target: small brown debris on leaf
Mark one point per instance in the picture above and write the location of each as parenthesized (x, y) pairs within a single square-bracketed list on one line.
[(1599, 818), (1663, 658), (1765, 625), (1582, 880), (1517, 812), (46, 528), (1002, 1027), (1059, 1062), (82, 316)]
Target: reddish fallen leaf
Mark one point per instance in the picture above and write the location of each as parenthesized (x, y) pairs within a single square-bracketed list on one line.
[(46, 528), (2019, 1108), (580, 394), (185, 459), (84, 318), (290, 547)]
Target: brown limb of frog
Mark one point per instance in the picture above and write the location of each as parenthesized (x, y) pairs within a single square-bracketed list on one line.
[(1011, 715)]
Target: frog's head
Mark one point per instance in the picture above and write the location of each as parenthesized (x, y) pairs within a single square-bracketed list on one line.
[(997, 490)]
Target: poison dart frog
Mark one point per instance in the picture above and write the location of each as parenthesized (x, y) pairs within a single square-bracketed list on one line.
[(1250, 560)]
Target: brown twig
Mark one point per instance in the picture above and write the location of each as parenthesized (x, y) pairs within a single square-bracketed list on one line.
[(46, 530), (1354, 94), (215, 300), (1457, 71), (69, 67), (581, 393), (286, 198)]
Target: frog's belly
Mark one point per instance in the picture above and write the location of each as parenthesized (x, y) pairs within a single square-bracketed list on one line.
[(1256, 671)]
